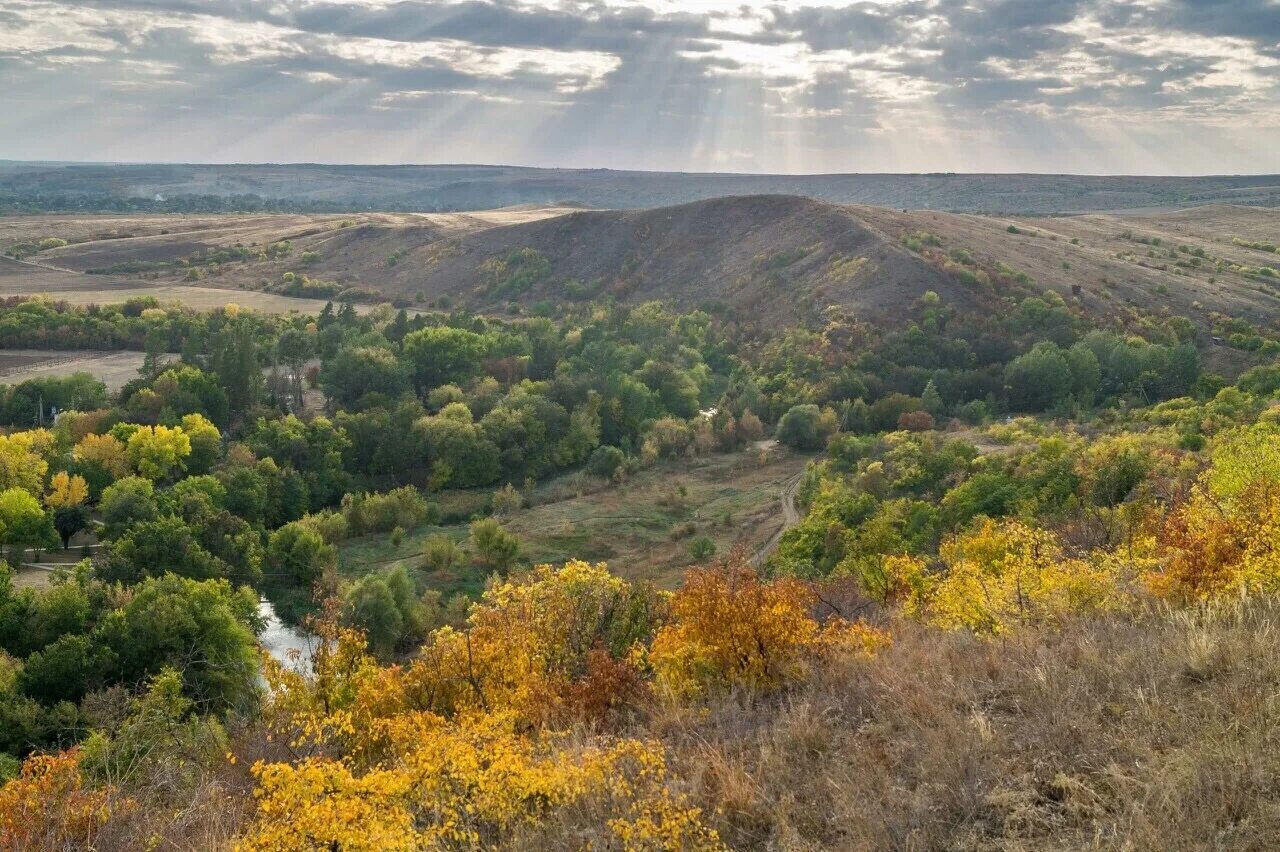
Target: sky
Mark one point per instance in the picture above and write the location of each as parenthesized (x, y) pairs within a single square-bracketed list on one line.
[(802, 86)]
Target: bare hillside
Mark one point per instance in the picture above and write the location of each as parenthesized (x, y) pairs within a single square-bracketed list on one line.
[(763, 256), (1190, 262), (782, 258)]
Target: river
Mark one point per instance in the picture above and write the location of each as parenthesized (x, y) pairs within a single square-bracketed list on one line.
[(278, 638)]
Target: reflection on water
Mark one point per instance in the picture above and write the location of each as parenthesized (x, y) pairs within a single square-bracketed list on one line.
[(278, 639)]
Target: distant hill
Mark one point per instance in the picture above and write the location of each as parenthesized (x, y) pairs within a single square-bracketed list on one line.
[(760, 258), (337, 188)]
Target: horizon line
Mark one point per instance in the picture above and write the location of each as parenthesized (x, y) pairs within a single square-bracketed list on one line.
[(680, 172)]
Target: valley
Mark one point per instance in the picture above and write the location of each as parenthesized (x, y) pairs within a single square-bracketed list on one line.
[(754, 501)]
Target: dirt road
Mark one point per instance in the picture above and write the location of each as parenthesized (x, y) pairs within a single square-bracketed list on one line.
[(790, 517)]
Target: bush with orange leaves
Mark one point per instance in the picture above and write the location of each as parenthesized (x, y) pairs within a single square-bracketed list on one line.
[(1224, 538), (730, 628), (48, 806), (1210, 545), (529, 641)]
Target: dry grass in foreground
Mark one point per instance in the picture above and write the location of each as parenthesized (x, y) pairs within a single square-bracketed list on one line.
[(1110, 734)]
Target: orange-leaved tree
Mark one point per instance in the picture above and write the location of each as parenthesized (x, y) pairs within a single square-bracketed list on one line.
[(731, 628), (49, 807)]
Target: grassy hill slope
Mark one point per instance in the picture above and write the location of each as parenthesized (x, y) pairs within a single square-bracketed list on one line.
[(782, 258)]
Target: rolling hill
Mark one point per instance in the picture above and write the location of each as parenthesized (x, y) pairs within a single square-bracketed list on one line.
[(768, 258)]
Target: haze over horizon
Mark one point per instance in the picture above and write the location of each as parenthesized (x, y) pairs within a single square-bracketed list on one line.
[(1149, 87)]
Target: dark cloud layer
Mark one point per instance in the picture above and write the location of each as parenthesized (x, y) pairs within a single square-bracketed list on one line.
[(1079, 85)]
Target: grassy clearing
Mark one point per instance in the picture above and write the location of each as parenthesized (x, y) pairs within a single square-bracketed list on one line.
[(641, 527)]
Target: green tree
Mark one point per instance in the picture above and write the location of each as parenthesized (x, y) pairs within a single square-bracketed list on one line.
[(701, 548), (294, 348), (371, 607), (443, 355), (202, 629), (23, 522), (66, 669), (492, 546), (931, 400), (69, 520), (806, 427), (1039, 379), (606, 461), (167, 544), (299, 556), (369, 371), (462, 456), (125, 502), (440, 553)]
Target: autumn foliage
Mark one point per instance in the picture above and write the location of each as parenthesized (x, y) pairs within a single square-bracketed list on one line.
[(545, 707), (731, 629), (455, 748), (49, 806)]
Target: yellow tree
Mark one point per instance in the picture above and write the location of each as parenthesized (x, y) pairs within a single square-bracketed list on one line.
[(1002, 575), (105, 452), (102, 459), (206, 443), (378, 767), (66, 491), (1241, 457), (22, 462), (158, 451), (528, 640)]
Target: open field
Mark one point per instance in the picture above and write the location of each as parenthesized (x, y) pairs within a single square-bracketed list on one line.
[(145, 254), (641, 527), (25, 279), (476, 187), (113, 368)]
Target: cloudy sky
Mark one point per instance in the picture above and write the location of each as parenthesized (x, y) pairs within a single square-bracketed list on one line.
[(1091, 86)]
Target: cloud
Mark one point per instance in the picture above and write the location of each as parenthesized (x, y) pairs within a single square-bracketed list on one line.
[(794, 85)]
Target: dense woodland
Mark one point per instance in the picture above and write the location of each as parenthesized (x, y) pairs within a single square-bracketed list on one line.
[(1005, 514)]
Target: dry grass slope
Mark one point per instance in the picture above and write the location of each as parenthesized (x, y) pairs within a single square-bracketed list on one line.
[(1150, 734), (766, 258), (1158, 734)]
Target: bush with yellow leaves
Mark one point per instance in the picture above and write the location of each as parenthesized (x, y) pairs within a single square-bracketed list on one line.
[(1001, 575), (442, 753)]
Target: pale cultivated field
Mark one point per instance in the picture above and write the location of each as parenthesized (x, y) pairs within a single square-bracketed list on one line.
[(104, 242), (113, 368), (26, 279)]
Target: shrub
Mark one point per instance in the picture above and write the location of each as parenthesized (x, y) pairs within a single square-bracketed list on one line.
[(606, 461), (702, 548), (916, 421)]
